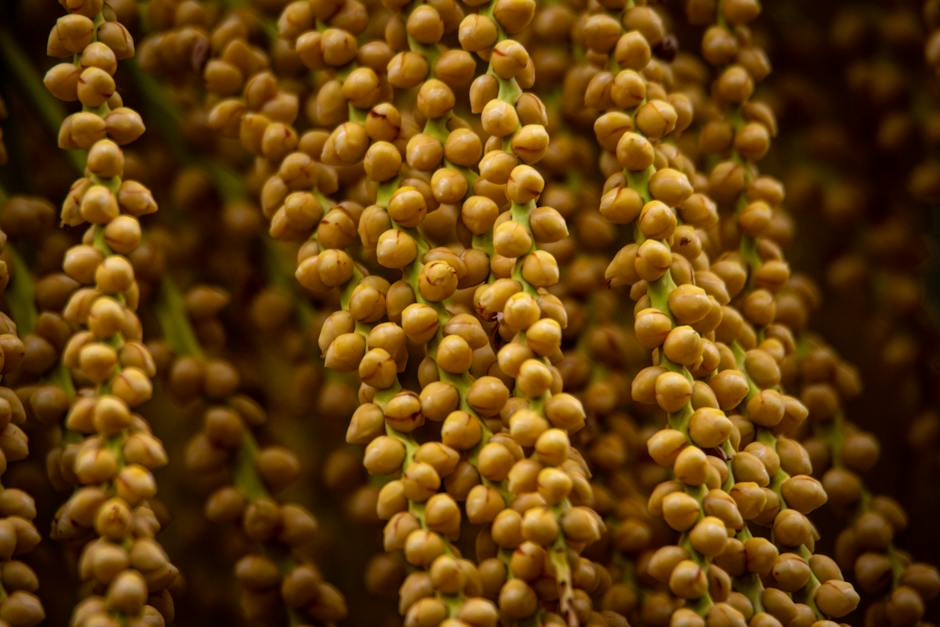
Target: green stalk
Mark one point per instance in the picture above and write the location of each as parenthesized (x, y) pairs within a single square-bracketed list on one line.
[(176, 328), (21, 292), (49, 109)]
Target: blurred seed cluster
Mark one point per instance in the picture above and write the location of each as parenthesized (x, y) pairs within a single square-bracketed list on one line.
[(469, 313)]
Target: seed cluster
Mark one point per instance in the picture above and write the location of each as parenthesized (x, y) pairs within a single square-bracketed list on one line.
[(675, 322), (20, 604), (279, 576), (468, 313), (434, 304), (111, 458), (880, 250)]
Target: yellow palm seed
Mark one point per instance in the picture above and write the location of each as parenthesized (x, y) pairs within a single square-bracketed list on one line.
[(657, 220), (656, 118), (688, 580), (540, 526), (709, 427), (499, 118), (684, 346), (461, 430), (836, 598), (653, 260), (454, 355), (511, 239), (437, 281), (553, 446), (680, 510), (665, 446), (345, 352), (540, 269), (691, 466), (403, 412), (525, 184), (709, 536), (396, 249), (673, 391), (383, 456), (534, 378), (420, 322), (634, 152)]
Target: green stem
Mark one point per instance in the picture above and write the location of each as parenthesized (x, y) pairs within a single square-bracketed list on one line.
[(246, 475), (21, 292), (50, 110), (177, 331)]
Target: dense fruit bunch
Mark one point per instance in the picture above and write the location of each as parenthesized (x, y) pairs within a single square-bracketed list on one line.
[(468, 313)]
